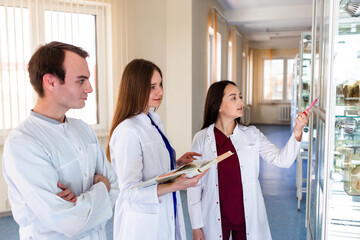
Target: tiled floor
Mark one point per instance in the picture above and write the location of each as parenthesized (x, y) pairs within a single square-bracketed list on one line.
[(278, 186)]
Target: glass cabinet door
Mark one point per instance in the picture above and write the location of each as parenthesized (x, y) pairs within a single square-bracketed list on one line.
[(305, 70), (315, 194), (343, 221), (334, 186), (295, 88)]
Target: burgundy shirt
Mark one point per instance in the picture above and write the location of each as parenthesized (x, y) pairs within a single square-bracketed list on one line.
[(230, 185)]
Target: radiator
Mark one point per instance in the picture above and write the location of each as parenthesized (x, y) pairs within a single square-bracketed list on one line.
[(284, 113)]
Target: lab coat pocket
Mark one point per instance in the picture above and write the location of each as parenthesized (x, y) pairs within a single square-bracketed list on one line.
[(68, 172), (249, 163), (139, 225)]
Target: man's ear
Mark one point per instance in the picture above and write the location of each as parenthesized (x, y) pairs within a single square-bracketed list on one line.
[(49, 82)]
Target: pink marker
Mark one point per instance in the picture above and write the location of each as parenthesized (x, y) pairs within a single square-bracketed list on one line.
[(312, 104)]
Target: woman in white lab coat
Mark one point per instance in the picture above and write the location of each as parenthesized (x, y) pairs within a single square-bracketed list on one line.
[(140, 150), (228, 202)]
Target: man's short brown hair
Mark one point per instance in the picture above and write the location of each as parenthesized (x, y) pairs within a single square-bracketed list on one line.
[(49, 58)]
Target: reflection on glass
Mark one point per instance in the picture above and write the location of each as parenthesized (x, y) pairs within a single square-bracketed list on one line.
[(312, 178)]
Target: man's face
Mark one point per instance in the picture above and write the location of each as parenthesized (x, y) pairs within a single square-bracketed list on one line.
[(73, 92)]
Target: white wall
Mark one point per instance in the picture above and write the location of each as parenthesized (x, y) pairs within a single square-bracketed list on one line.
[(179, 74), (199, 59), (172, 34)]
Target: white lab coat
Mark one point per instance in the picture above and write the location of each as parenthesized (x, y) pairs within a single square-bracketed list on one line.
[(138, 153), (42, 152), (203, 200)]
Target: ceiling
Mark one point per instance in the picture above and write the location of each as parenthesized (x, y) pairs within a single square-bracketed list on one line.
[(270, 23)]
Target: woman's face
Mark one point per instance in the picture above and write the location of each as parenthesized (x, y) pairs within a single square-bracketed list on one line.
[(232, 105), (156, 92)]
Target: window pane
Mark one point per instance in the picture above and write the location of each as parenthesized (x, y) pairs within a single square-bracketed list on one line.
[(77, 29), (290, 75), (218, 56), (210, 54), (273, 79), (16, 94), (230, 61)]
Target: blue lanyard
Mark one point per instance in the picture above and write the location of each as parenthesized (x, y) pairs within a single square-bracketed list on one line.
[(172, 157)]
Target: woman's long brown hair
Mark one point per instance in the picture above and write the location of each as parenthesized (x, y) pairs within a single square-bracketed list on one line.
[(134, 91)]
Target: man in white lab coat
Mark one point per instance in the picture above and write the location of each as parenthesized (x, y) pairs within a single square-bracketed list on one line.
[(61, 185)]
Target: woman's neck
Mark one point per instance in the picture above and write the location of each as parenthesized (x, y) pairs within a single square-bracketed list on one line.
[(226, 126), (147, 111)]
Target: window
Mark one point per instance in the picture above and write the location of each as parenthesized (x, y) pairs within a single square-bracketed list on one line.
[(24, 25), (214, 65), (277, 80), (230, 61)]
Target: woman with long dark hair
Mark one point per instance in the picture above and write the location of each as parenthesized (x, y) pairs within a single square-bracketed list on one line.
[(228, 200), (140, 150)]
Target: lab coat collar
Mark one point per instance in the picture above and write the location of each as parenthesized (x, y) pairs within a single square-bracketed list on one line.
[(237, 130), (210, 136), (154, 116)]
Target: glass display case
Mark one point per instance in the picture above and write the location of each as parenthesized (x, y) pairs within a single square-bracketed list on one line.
[(301, 80), (301, 93), (333, 202), (295, 90)]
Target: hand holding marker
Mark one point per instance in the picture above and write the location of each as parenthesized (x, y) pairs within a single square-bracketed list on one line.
[(312, 104)]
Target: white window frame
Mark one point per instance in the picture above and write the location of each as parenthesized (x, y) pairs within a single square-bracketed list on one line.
[(284, 95), (104, 84)]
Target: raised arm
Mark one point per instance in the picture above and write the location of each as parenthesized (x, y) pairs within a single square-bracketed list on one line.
[(300, 121), (286, 156)]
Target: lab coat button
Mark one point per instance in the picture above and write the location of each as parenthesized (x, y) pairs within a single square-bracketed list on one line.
[(85, 174), (218, 219), (216, 185), (217, 202)]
